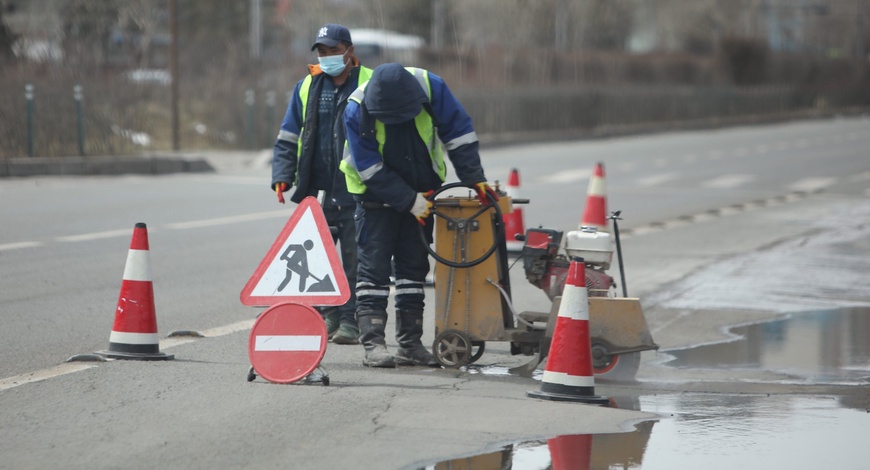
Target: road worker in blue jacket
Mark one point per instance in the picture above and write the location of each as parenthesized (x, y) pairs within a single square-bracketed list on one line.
[(395, 125), (309, 149)]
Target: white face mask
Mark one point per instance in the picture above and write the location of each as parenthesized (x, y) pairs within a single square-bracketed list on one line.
[(332, 65)]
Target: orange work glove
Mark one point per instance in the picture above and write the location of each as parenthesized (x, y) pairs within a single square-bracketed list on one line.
[(422, 207), (279, 190), (482, 189)]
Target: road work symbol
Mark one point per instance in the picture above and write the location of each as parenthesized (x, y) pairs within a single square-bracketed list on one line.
[(297, 262), (302, 266)]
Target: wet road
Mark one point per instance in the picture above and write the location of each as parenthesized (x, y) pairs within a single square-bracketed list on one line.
[(710, 431), (722, 228)]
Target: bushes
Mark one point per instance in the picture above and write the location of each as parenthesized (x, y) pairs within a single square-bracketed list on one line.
[(744, 60), (119, 117), (521, 91)]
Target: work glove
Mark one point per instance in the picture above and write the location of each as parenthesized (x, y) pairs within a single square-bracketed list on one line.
[(482, 189), (422, 207), (280, 187)]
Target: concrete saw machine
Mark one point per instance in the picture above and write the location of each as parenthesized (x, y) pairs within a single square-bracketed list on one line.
[(473, 291)]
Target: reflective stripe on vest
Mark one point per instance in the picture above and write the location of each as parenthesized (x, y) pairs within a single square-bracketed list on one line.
[(303, 96), (425, 128)]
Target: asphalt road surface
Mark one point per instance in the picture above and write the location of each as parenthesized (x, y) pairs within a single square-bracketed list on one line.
[(721, 227)]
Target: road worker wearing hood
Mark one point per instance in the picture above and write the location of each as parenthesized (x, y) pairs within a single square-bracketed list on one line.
[(396, 124)]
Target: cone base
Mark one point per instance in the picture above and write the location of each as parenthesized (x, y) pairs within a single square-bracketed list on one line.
[(593, 399), (137, 356)]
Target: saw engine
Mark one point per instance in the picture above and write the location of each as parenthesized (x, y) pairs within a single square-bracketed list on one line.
[(547, 269)]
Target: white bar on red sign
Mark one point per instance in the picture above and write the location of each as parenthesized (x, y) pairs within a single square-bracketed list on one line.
[(288, 343)]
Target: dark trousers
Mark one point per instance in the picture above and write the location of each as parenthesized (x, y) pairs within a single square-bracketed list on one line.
[(342, 219), (388, 240)]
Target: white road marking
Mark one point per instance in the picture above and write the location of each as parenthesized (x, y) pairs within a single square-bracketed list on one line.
[(70, 367), (727, 181), (568, 176), (658, 179), (811, 184), (30, 377), (228, 220), (126, 232), (96, 235), (227, 329), (15, 246)]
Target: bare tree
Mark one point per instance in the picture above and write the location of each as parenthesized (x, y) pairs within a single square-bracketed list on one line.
[(87, 27), (7, 39), (142, 20)]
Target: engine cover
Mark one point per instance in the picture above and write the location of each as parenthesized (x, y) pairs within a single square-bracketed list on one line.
[(546, 269)]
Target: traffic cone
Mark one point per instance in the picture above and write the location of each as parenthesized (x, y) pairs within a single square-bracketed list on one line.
[(513, 222), (134, 334), (571, 452), (568, 375), (595, 214)]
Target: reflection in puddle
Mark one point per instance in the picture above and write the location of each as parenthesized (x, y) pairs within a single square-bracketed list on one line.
[(709, 431), (727, 431), (576, 451), (823, 347)]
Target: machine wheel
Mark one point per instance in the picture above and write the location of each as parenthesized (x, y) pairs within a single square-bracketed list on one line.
[(481, 346), (492, 203), (453, 348), (614, 367)]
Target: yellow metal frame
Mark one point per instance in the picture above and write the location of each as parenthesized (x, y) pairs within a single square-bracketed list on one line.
[(465, 299)]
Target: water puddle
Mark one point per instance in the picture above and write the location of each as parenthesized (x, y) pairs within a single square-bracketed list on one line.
[(725, 430), (830, 347), (709, 431)]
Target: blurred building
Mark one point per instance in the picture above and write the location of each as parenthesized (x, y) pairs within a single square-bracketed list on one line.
[(836, 28)]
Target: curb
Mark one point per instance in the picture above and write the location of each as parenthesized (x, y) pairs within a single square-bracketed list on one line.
[(79, 166)]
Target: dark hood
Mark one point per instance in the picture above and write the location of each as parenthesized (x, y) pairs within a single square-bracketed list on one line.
[(393, 95)]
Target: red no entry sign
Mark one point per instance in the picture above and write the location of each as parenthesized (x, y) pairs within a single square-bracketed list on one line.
[(287, 342)]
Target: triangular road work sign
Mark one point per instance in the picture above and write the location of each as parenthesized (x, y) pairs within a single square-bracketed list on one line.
[(302, 266)]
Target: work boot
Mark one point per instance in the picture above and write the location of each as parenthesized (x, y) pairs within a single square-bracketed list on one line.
[(331, 318), (372, 336), (409, 330), (346, 334)]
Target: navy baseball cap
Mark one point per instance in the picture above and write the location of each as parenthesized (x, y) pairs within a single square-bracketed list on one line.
[(330, 35)]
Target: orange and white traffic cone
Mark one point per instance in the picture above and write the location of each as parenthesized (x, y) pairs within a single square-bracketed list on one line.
[(134, 333), (568, 375), (595, 214), (513, 222)]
